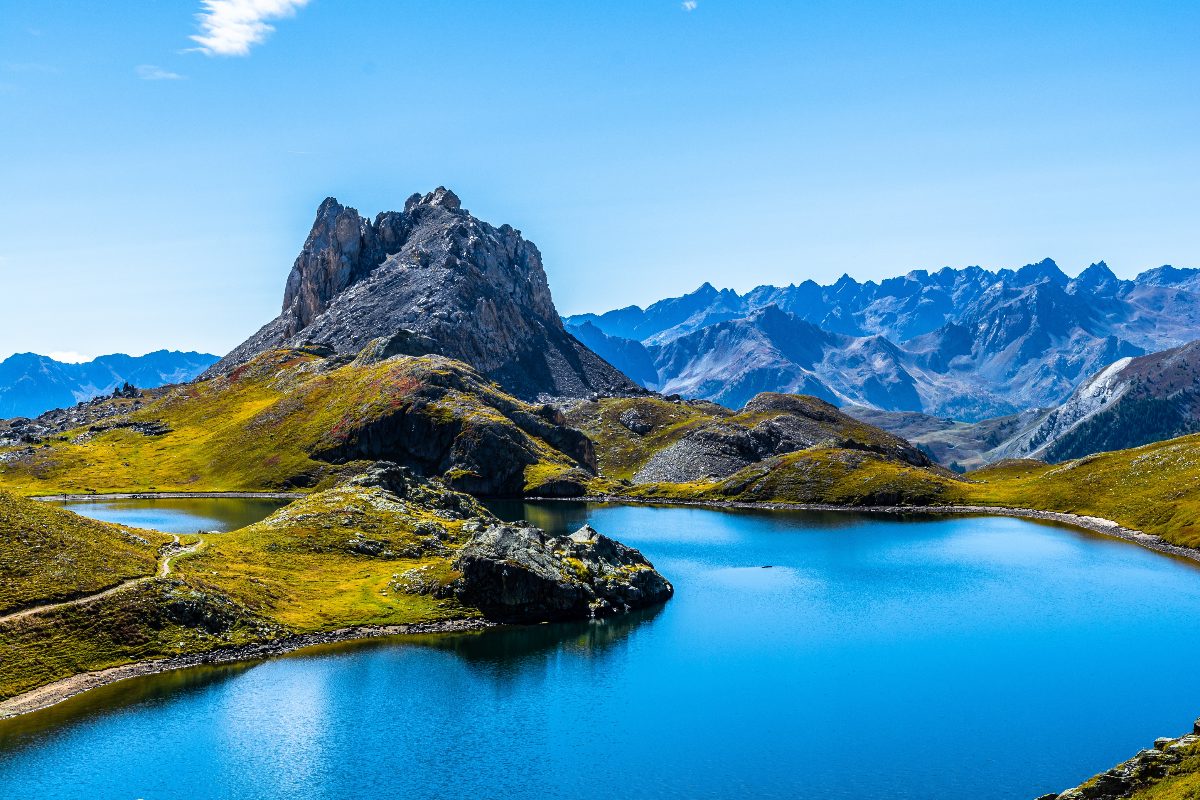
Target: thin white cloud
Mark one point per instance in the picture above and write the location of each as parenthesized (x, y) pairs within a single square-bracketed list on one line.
[(232, 27), (689, 5), (149, 72), (68, 357)]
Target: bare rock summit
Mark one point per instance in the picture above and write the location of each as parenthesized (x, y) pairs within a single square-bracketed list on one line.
[(433, 274)]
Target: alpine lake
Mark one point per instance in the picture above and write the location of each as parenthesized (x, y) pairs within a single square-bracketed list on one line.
[(804, 655)]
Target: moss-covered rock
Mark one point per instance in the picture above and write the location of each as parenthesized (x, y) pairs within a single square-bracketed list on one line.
[(519, 573)]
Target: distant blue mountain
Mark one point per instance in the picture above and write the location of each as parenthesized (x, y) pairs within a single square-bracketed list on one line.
[(963, 343), (31, 384)]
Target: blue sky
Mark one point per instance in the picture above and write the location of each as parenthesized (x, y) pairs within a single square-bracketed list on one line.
[(156, 187)]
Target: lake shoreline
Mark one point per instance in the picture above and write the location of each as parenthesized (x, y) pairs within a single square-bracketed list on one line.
[(76, 498), (1100, 525), (52, 694)]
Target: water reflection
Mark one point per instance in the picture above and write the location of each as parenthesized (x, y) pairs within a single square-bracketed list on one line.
[(113, 699), (179, 515)]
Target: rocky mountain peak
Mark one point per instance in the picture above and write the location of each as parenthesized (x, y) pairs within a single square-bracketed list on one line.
[(1096, 278), (476, 292), (1044, 270), (440, 197), (1166, 275)]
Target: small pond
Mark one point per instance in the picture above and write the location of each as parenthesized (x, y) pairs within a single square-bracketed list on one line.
[(178, 514)]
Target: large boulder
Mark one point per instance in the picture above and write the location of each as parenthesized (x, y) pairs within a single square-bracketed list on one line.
[(519, 573)]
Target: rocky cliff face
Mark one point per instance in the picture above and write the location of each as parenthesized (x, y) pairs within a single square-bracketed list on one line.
[(466, 289)]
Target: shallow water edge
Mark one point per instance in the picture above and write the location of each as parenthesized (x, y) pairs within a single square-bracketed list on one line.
[(51, 694), (1105, 527)]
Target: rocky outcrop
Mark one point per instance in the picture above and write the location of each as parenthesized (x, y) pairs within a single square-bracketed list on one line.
[(769, 425), (518, 573), (1168, 758), (444, 282)]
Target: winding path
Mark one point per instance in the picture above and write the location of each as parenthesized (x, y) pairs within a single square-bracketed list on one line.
[(169, 554)]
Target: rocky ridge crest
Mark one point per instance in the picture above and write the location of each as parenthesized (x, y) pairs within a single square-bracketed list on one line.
[(461, 287)]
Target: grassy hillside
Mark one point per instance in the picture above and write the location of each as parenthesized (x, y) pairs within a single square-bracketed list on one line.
[(291, 419), (154, 619), (48, 554), (353, 555), (1155, 488), (630, 434), (367, 557)]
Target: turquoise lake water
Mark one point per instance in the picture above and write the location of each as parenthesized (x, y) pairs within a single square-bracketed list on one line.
[(804, 656), (179, 515)]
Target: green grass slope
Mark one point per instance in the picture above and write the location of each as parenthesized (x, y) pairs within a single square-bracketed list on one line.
[(291, 418), (48, 554), (353, 555), (1155, 488)]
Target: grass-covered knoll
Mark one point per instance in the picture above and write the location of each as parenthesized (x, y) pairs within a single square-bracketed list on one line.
[(292, 418), (352, 555), (49, 554), (655, 440), (842, 477), (822, 476), (1155, 488)]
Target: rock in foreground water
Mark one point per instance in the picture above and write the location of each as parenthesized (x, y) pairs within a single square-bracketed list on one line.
[(518, 573)]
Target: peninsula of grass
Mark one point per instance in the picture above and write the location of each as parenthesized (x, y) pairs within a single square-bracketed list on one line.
[(351, 556)]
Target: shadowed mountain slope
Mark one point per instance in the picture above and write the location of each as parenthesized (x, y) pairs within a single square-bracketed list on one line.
[(1131, 402)]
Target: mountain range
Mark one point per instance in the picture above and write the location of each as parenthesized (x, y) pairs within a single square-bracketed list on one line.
[(31, 384), (1130, 403), (969, 344)]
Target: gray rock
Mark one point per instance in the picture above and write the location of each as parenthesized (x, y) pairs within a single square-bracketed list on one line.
[(435, 279), (718, 451), (517, 573)]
